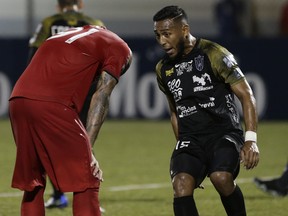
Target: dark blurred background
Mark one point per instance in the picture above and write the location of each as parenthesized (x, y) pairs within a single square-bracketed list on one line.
[(255, 31)]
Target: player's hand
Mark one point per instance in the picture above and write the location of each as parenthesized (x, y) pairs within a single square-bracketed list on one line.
[(96, 171), (249, 155)]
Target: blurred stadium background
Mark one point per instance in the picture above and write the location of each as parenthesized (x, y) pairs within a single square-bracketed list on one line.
[(18, 18), (260, 50), (139, 152)]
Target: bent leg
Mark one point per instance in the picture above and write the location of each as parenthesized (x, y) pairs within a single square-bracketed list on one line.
[(184, 204), (187, 173), (231, 195), (86, 203), (183, 185), (223, 182), (225, 167), (234, 203), (33, 203)]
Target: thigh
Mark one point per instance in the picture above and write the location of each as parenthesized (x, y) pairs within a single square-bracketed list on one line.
[(28, 170), (224, 157), (64, 148), (187, 163)]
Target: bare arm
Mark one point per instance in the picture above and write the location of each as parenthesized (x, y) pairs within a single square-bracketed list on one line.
[(97, 113), (99, 105), (249, 152)]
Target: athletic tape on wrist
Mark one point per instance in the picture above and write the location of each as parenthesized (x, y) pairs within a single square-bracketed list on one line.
[(250, 136)]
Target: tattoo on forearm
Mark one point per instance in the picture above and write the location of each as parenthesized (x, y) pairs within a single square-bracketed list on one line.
[(99, 105)]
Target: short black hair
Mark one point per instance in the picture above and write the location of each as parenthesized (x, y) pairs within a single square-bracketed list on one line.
[(64, 3), (170, 12)]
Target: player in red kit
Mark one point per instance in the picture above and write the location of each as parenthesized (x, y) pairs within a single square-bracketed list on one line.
[(44, 113)]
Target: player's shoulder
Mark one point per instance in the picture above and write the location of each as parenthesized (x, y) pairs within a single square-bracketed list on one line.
[(208, 44), (213, 50), (50, 19), (159, 66), (91, 20)]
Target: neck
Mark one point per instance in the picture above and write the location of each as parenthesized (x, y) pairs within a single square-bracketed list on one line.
[(70, 8), (190, 43)]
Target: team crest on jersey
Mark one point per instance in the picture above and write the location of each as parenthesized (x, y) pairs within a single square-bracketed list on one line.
[(169, 72), (199, 62), (184, 67)]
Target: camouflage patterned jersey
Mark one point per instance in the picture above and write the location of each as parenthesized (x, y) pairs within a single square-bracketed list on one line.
[(58, 23), (199, 84)]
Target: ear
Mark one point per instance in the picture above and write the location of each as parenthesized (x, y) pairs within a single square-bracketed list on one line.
[(186, 29)]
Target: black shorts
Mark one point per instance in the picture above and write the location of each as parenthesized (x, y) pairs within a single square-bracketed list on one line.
[(201, 157)]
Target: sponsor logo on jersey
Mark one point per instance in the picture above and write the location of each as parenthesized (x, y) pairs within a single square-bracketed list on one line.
[(238, 73), (199, 62), (184, 111), (208, 104), (184, 67), (175, 89), (229, 60), (232, 108), (202, 82), (169, 72)]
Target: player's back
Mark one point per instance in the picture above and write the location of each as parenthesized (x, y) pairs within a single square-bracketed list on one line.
[(63, 21), (58, 23), (65, 65)]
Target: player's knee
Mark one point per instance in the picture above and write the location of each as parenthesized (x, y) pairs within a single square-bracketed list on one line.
[(223, 182), (183, 185)]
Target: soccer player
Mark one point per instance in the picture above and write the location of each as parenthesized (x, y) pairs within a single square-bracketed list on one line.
[(276, 186), (44, 112), (69, 16), (200, 79)]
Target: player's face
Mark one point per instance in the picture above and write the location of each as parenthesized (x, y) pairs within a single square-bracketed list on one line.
[(170, 35)]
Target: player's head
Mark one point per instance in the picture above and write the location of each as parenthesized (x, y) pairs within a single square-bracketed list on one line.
[(65, 3), (171, 29), (70, 5)]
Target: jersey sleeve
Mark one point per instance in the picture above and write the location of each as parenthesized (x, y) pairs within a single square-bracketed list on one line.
[(159, 79), (224, 65), (89, 20), (118, 56)]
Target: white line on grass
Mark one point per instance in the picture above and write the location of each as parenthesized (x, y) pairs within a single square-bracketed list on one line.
[(132, 187), (163, 185), (139, 187)]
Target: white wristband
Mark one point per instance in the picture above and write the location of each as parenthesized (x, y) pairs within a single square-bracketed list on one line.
[(250, 136)]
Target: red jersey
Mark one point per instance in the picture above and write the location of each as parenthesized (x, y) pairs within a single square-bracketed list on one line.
[(64, 67)]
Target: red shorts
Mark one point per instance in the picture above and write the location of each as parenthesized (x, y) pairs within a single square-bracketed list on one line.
[(50, 140)]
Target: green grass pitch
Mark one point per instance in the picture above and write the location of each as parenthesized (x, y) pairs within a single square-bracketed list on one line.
[(134, 156)]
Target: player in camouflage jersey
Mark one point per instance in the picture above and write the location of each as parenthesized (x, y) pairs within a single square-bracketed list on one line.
[(200, 79), (69, 16)]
